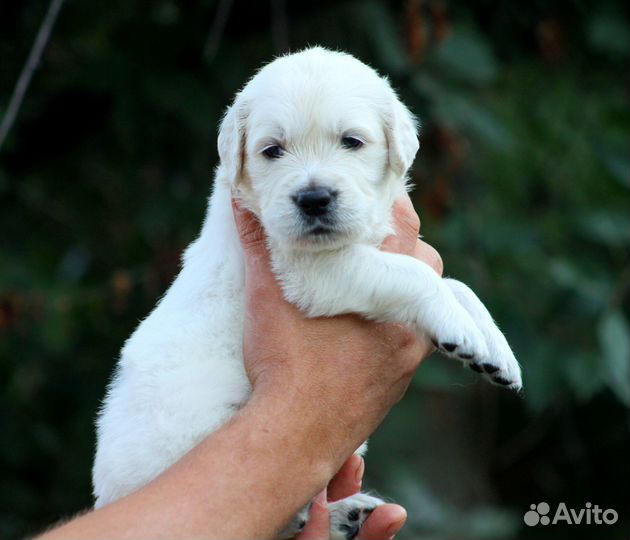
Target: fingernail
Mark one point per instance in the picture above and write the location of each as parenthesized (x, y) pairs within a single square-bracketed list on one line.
[(358, 475), (395, 527)]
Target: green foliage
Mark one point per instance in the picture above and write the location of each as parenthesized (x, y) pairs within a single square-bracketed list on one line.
[(522, 185)]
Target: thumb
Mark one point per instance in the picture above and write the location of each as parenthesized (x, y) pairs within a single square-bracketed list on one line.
[(259, 279), (249, 229)]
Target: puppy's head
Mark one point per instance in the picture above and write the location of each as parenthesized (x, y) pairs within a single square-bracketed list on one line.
[(318, 145)]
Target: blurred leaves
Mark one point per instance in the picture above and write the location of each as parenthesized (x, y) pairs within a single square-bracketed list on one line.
[(467, 57), (437, 514), (613, 336), (609, 34), (384, 37)]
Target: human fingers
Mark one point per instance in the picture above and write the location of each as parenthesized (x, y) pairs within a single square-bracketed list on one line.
[(405, 240), (427, 253), (384, 522), (406, 225), (348, 479), (318, 526), (261, 283), (249, 229)]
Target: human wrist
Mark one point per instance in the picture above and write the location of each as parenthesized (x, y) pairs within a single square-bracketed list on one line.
[(316, 435)]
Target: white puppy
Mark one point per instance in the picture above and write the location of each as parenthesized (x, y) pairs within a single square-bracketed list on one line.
[(318, 145)]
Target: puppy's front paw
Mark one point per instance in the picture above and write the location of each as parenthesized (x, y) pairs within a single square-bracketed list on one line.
[(455, 334), (348, 515), (498, 365)]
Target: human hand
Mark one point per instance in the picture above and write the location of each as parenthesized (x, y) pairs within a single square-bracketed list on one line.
[(339, 375), (384, 522)]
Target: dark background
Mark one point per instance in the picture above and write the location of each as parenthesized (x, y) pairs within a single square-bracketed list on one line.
[(522, 184)]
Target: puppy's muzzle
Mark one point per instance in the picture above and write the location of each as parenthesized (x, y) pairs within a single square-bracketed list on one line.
[(315, 202)]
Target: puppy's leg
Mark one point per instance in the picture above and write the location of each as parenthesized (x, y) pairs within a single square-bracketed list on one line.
[(499, 366), (386, 287)]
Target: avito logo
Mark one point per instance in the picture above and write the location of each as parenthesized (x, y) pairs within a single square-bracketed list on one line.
[(589, 515)]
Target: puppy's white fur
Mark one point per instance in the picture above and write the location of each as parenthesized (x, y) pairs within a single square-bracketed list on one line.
[(180, 375)]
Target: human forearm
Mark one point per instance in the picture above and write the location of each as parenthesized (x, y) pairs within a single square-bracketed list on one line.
[(244, 481)]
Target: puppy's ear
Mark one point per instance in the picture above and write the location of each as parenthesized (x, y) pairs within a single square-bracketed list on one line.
[(231, 142), (401, 130)]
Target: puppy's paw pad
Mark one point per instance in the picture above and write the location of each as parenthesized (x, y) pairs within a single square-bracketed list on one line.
[(500, 368), (458, 351), (502, 381), (490, 368), (475, 367), (348, 515), (463, 342)]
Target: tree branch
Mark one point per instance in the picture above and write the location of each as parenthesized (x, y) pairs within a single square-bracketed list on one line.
[(29, 69), (279, 26), (216, 30)]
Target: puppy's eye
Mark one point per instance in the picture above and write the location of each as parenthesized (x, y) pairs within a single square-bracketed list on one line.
[(273, 152), (351, 143)]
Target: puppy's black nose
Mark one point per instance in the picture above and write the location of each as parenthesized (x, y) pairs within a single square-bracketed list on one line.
[(315, 201)]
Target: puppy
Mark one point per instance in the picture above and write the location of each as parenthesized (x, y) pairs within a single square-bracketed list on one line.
[(318, 146)]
